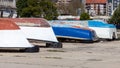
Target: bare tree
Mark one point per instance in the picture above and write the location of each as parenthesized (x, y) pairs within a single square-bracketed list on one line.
[(71, 8), (76, 6), (63, 8)]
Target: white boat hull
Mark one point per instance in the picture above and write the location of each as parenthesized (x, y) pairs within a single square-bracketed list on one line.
[(39, 33), (13, 39), (105, 33)]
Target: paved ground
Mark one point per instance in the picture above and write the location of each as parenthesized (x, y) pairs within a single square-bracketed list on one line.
[(72, 55)]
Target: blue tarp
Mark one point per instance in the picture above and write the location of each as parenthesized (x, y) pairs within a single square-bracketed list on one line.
[(94, 23)]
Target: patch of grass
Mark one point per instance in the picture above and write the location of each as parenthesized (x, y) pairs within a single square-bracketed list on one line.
[(55, 50)]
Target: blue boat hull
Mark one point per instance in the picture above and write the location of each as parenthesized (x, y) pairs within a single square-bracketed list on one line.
[(74, 33)]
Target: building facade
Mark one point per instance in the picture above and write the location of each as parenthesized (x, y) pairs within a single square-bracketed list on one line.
[(96, 7), (8, 8), (8, 3), (115, 3), (111, 6)]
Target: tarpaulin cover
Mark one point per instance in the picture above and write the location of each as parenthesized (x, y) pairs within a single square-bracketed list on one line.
[(81, 24), (70, 23)]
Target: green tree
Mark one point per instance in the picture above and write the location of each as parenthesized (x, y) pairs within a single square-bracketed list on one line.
[(84, 16), (115, 19), (21, 4), (37, 8)]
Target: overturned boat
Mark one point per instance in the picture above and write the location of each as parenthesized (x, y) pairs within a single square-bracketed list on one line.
[(38, 29), (103, 29), (13, 38), (71, 30)]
